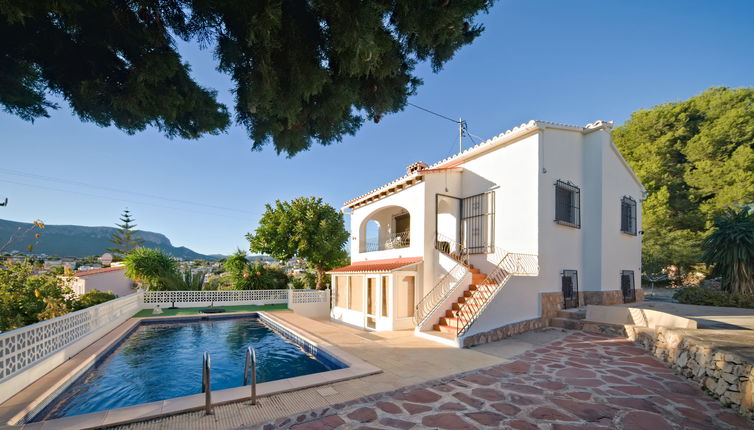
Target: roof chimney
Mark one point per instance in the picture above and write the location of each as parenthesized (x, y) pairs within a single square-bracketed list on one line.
[(416, 167)]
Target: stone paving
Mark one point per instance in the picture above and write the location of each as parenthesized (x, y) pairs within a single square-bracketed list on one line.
[(582, 381)]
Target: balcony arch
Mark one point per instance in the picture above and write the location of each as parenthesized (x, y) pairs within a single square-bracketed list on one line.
[(385, 228)]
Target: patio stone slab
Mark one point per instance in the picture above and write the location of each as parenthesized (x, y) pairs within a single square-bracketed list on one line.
[(545, 388)]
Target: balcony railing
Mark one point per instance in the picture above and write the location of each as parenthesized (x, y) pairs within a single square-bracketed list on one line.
[(395, 241)]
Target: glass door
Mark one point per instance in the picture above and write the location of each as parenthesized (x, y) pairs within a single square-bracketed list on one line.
[(372, 305)]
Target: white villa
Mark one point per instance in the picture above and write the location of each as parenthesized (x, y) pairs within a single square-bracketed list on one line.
[(497, 239)]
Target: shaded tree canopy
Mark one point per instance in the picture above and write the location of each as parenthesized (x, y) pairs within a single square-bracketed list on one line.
[(696, 160), (304, 71)]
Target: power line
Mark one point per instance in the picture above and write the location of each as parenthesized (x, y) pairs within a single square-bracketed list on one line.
[(113, 198), (433, 113), (84, 184), (464, 127)]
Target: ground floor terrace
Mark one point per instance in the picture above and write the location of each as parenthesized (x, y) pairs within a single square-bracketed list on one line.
[(545, 379)]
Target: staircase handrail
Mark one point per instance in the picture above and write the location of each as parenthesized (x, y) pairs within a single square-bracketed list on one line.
[(447, 284), (511, 263)]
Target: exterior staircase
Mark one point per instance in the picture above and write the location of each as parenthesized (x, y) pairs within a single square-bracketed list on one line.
[(460, 314), (450, 323)]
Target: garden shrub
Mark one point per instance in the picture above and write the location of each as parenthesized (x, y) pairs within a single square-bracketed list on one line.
[(91, 298), (697, 295)]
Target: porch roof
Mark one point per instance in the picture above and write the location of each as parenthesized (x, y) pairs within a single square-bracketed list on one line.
[(378, 266)]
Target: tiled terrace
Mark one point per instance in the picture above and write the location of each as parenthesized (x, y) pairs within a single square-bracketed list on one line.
[(582, 381)]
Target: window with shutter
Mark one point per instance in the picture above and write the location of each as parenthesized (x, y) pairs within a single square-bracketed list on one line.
[(567, 204), (628, 215)]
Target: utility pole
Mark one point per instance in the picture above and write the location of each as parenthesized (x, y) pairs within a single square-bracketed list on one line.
[(460, 135)]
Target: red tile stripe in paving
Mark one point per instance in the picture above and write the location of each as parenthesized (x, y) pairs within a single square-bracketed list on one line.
[(583, 381)]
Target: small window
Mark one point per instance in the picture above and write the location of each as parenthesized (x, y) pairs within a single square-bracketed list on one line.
[(628, 215), (627, 286), (567, 204), (569, 283)]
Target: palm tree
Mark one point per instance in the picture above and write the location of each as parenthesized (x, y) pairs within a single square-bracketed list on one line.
[(151, 267), (730, 248), (186, 281)]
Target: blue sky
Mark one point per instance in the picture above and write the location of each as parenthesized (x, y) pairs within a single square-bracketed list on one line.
[(573, 62)]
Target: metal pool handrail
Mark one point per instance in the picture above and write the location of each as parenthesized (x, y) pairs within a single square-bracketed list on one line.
[(206, 389), (251, 365)]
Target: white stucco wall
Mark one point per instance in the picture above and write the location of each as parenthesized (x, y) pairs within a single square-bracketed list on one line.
[(115, 282), (620, 251), (560, 246), (511, 173), (517, 301)]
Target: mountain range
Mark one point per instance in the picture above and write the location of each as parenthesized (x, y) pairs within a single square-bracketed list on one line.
[(82, 241)]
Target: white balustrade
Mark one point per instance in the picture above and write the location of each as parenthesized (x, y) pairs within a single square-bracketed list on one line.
[(220, 296), (29, 345), (308, 296)]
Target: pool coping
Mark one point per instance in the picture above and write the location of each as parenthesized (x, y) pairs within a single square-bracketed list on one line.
[(42, 392)]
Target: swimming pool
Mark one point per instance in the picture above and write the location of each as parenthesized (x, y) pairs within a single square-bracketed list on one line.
[(160, 361)]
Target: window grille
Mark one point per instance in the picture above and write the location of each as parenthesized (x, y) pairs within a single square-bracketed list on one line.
[(627, 286), (628, 215), (567, 204), (478, 222), (570, 287)]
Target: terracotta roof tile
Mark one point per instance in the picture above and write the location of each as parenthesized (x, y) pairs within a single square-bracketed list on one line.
[(369, 266), (96, 271)]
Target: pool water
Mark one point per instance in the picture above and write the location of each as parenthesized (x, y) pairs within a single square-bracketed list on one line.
[(163, 361)]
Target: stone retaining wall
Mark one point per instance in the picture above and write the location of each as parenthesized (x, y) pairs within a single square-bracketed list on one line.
[(712, 364), (504, 331), (550, 304)]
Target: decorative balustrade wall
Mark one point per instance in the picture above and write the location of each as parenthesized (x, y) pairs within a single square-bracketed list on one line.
[(49, 343), (308, 296), (222, 298)]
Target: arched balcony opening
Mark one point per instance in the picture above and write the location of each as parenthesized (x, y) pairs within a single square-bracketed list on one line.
[(386, 228)]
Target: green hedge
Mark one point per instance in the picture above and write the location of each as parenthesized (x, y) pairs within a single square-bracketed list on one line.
[(704, 296)]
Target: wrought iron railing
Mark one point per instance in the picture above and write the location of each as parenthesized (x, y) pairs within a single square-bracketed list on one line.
[(451, 248), (509, 264), (448, 283), (394, 241)]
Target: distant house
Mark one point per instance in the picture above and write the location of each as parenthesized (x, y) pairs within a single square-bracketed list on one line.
[(112, 279)]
